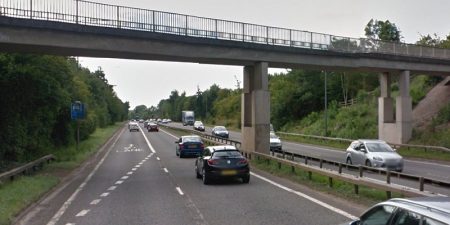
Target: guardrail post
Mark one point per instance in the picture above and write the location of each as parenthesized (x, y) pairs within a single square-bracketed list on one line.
[(76, 13), (330, 182), (31, 9), (118, 16), (306, 160), (361, 171), (292, 169), (321, 163), (421, 183), (356, 189), (388, 181), (279, 165), (186, 31), (311, 43), (243, 32), (290, 37), (309, 175), (340, 168)]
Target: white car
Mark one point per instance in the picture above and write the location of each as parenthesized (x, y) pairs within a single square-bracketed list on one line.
[(374, 153), (133, 126), (275, 143)]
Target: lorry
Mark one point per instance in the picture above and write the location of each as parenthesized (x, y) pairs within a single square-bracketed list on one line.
[(187, 118)]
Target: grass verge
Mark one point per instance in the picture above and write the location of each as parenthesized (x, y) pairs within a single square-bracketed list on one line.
[(367, 196), (18, 194)]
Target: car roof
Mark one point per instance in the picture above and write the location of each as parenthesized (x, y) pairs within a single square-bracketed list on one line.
[(219, 127), (434, 207), (371, 141), (190, 136), (222, 148)]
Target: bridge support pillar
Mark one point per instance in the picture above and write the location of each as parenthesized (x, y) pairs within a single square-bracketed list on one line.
[(255, 110), (399, 129)]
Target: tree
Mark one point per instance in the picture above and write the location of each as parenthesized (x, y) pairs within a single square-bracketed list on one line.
[(382, 30)]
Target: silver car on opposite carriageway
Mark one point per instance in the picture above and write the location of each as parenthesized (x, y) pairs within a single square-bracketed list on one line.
[(374, 153)]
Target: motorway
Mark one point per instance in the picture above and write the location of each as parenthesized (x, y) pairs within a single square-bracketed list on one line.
[(137, 179), (434, 170)]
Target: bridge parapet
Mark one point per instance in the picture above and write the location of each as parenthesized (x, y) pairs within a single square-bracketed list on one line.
[(105, 15)]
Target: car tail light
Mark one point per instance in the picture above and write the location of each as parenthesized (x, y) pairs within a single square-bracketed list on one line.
[(242, 162), (212, 162), (202, 146), (181, 146)]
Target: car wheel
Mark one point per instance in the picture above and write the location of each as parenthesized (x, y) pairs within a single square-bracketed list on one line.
[(349, 161), (176, 152), (246, 179), (368, 163), (196, 173), (181, 155), (205, 177)]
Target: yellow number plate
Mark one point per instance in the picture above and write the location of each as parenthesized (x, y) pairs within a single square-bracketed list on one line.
[(228, 172)]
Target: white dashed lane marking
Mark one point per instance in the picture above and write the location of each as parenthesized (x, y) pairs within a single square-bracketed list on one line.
[(83, 212), (124, 177), (104, 194), (129, 173), (119, 182), (134, 169), (95, 202), (165, 170), (157, 158), (112, 188), (180, 191)]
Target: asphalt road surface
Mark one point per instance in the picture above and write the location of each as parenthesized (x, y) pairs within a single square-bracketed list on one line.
[(138, 179), (434, 170)]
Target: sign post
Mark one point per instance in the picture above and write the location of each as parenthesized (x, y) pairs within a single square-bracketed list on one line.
[(77, 112)]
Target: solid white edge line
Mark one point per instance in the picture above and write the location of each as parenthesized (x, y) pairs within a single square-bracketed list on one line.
[(170, 134), (323, 204), (69, 201), (95, 202), (82, 212), (165, 170), (148, 142), (179, 191)]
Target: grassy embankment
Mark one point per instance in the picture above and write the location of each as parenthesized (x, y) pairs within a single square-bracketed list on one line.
[(18, 194), (366, 196)]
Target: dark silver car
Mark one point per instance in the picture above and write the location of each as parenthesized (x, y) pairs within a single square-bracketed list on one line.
[(374, 153), (220, 131), (414, 211)]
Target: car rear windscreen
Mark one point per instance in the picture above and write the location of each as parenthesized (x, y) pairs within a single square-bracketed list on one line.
[(227, 154)]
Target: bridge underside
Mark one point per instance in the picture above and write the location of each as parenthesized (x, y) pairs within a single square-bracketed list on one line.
[(46, 37)]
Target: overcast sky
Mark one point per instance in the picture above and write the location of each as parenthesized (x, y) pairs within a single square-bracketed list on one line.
[(147, 82)]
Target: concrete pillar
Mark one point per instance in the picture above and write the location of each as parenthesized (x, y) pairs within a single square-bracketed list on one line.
[(399, 129), (255, 114), (404, 109)]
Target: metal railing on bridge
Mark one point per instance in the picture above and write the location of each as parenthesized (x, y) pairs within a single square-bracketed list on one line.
[(121, 17)]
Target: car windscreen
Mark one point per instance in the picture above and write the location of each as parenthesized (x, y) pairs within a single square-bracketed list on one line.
[(227, 154), (379, 147), (220, 129), (192, 139), (198, 124), (273, 136)]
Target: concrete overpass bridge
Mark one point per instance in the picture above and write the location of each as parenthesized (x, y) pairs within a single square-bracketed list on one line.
[(84, 28)]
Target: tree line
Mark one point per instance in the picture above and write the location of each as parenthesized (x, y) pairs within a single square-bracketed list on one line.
[(36, 94)]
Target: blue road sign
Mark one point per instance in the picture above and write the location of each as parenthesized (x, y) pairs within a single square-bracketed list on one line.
[(77, 111)]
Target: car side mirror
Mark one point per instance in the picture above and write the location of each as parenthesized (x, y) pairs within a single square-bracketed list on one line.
[(364, 150), (176, 142)]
